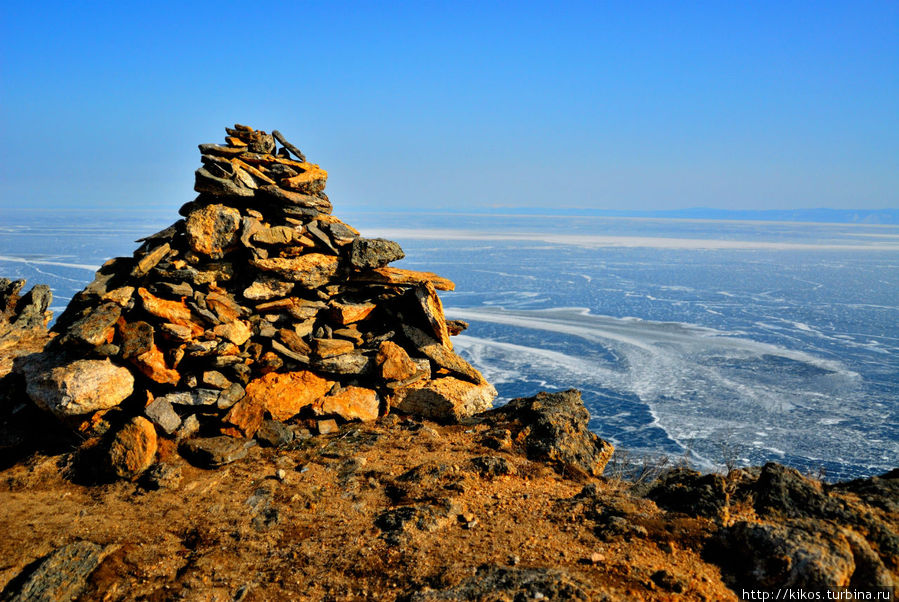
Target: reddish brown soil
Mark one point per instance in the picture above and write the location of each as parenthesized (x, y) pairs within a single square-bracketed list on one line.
[(241, 532)]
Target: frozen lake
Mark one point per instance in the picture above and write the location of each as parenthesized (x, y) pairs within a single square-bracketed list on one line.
[(715, 340)]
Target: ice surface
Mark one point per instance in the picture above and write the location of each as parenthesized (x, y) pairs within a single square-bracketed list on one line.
[(718, 340)]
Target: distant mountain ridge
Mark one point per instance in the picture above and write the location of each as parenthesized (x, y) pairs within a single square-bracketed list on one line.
[(837, 216)]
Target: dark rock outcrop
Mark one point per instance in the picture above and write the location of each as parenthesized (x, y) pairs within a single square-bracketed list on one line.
[(23, 321), (62, 575), (513, 583), (805, 554), (784, 492), (690, 492), (553, 427), (803, 533)]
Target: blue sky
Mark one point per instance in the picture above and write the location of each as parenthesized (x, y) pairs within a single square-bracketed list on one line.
[(460, 106)]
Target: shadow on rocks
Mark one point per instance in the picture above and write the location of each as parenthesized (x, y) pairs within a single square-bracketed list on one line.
[(506, 583), (552, 428)]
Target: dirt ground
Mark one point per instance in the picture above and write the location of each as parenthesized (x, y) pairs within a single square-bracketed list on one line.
[(345, 517)]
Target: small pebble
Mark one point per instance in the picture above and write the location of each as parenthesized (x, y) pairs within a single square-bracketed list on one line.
[(281, 474)]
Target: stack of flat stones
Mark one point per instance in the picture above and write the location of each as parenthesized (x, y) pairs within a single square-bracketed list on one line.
[(257, 307)]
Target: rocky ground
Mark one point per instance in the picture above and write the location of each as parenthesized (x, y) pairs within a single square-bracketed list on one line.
[(494, 508)]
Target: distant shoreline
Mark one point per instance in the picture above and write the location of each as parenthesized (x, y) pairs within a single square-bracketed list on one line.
[(863, 217), (867, 217)]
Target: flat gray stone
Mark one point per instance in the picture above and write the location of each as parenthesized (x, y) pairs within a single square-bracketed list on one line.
[(274, 434), (374, 252), (161, 413), (234, 393), (197, 397), (63, 574), (211, 452)]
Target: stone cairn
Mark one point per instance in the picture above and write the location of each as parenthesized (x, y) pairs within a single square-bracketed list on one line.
[(259, 308)]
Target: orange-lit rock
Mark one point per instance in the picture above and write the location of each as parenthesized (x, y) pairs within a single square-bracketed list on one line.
[(134, 448), (399, 276), (212, 229), (311, 270), (149, 261), (244, 418), (152, 364), (294, 342), (282, 395), (78, 388), (447, 399), (393, 362), (434, 350), (313, 179), (353, 403), (433, 311), (301, 309), (252, 170), (176, 332), (223, 305), (175, 312), (332, 347), (331, 219), (238, 332), (347, 313), (121, 295), (267, 160), (264, 289), (98, 326)]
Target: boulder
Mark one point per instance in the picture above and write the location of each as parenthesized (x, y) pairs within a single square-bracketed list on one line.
[(274, 434), (212, 229), (353, 403), (311, 180), (61, 575), (264, 289), (325, 348), (79, 387), (163, 415), (312, 270), (282, 395), (374, 252), (133, 449), (238, 331), (442, 357), (400, 276), (26, 311), (151, 364), (514, 583), (23, 322), (97, 327), (432, 309), (137, 338), (787, 555), (393, 362), (554, 427), (212, 452), (690, 492), (444, 399), (347, 313)]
